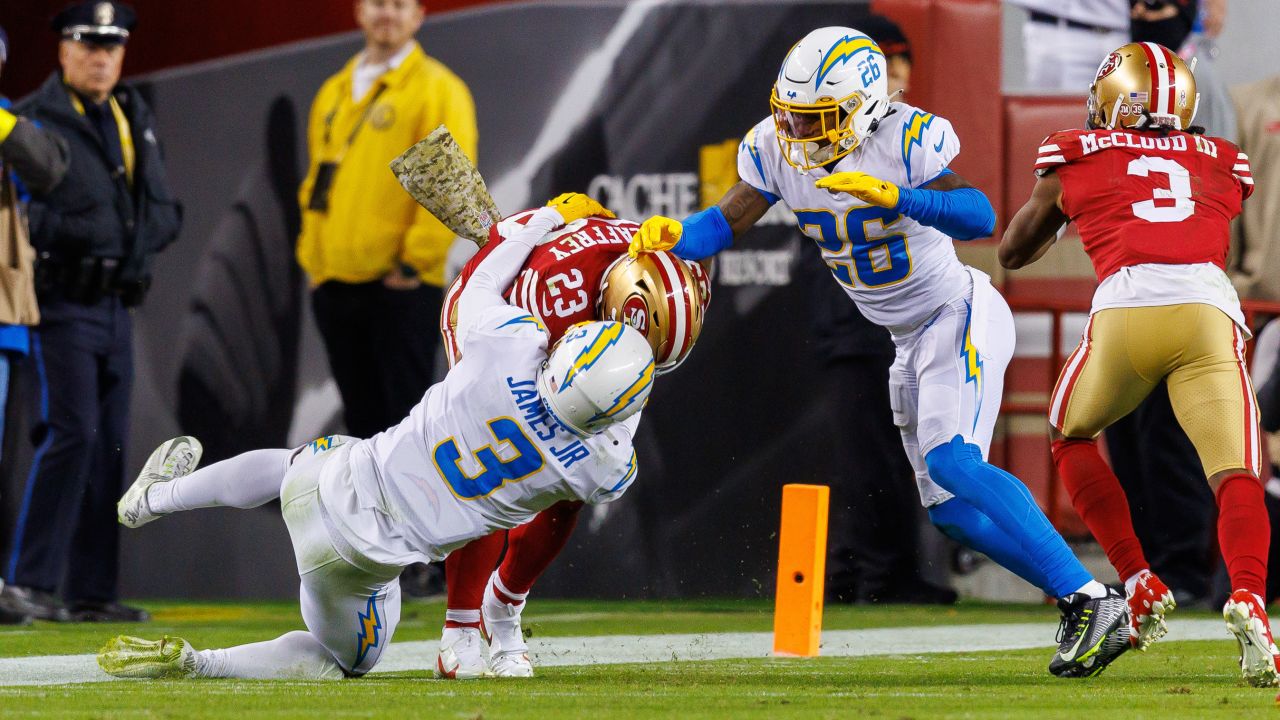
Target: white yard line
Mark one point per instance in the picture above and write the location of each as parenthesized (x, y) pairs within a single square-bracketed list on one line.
[(610, 649)]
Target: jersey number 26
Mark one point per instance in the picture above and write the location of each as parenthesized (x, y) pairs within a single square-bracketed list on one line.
[(859, 246)]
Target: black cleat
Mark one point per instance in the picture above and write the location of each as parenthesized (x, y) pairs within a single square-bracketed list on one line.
[(1094, 632)]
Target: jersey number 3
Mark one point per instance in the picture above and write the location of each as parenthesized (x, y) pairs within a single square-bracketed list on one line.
[(523, 460), (1159, 209), (859, 247)]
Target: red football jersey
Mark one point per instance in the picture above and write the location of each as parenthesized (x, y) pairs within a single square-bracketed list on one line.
[(560, 282), (1138, 197)]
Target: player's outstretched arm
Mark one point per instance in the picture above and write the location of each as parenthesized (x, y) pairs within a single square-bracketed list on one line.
[(705, 233), (948, 202), (1036, 225)]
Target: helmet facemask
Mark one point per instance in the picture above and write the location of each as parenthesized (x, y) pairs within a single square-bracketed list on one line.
[(812, 135)]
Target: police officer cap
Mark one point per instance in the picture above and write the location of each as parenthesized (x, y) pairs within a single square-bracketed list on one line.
[(100, 22)]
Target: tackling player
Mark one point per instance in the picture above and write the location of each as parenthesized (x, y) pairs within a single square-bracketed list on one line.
[(576, 274), (1152, 197), (510, 431), (867, 178)]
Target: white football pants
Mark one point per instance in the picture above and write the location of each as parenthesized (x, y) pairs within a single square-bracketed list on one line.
[(948, 378)]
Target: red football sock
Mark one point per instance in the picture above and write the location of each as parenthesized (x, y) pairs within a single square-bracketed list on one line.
[(535, 544), (1244, 532), (467, 570), (1098, 498)]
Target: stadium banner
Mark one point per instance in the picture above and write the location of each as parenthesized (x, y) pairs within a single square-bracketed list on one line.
[(640, 104)]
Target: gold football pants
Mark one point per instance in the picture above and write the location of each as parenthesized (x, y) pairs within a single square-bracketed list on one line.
[(1195, 348)]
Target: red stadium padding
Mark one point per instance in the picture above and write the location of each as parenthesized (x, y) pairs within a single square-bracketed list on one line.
[(956, 74)]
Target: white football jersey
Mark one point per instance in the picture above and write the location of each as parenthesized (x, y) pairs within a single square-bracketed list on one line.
[(479, 453), (897, 270)]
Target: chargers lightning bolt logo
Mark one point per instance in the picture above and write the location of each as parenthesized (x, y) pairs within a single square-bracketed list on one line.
[(972, 367), (842, 52), (913, 137), (368, 637), (606, 338), (643, 380), (529, 319)]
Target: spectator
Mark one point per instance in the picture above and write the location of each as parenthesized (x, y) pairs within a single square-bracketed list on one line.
[(876, 517), (1255, 267), (1065, 41), (96, 233), (1216, 114), (37, 158), (374, 257)]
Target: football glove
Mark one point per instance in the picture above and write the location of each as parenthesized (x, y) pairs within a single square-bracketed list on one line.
[(867, 188), (656, 233), (575, 206)]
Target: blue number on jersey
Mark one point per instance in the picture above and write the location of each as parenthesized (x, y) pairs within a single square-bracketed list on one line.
[(860, 248), (494, 471)]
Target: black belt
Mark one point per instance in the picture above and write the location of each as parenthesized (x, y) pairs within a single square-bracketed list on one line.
[(86, 280), (1046, 18)]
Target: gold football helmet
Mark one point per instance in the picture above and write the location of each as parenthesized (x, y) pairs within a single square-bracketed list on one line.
[(1143, 85), (660, 295)]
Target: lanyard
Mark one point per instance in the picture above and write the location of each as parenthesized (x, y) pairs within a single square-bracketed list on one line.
[(127, 151), (328, 120)]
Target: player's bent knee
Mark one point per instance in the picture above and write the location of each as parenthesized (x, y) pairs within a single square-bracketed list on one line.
[(1060, 445), (1218, 479), (956, 519), (952, 463)]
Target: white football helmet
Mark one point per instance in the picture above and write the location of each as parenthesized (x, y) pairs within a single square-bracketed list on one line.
[(599, 373), (831, 93)]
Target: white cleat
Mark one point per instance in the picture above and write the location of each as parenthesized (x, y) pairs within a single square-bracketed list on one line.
[(508, 653), (173, 459), (131, 657), (461, 655), (1247, 621), (512, 663)]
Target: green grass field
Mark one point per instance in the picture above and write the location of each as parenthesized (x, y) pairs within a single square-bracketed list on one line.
[(1193, 679)]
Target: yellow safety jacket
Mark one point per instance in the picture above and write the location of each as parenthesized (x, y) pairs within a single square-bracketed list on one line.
[(372, 226)]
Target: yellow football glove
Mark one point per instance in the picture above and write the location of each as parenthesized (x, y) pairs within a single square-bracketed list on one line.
[(575, 206), (656, 233), (867, 188)]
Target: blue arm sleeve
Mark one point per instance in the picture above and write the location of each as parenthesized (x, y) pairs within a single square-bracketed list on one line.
[(705, 234), (964, 214)]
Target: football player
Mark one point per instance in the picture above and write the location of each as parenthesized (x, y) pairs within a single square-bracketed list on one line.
[(867, 178), (511, 430), (1152, 197), (579, 273)]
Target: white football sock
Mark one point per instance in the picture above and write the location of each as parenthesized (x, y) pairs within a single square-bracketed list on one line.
[(244, 481), (498, 585), (462, 617), (1093, 589), (295, 655)]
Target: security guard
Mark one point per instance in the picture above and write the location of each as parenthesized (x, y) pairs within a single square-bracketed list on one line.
[(95, 235)]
